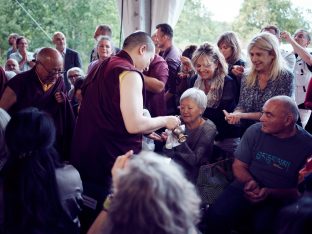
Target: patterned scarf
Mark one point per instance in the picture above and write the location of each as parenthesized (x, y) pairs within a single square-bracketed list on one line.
[(215, 92)]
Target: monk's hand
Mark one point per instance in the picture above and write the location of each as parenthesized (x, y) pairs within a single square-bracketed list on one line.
[(59, 97), (172, 122)]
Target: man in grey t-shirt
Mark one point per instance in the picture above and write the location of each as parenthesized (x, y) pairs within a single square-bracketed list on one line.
[(266, 167)]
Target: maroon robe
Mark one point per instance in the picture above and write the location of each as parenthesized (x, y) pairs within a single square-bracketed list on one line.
[(100, 134), (3, 80), (29, 93), (155, 102)]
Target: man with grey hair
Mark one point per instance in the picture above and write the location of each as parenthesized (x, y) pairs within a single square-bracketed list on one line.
[(266, 167), (12, 65), (71, 57)]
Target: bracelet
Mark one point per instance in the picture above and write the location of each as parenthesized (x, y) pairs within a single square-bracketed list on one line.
[(107, 202)]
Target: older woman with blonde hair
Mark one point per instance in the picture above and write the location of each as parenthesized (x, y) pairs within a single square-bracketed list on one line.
[(221, 92), (267, 77)]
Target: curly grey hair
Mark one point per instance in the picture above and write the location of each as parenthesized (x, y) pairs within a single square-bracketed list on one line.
[(152, 196)]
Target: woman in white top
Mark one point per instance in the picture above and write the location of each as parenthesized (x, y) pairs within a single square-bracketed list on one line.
[(22, 56)]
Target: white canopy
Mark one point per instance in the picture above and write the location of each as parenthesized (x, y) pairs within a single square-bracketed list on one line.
[(144, 15)]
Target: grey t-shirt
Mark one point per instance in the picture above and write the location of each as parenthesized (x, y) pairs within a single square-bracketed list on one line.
[(274, 162)]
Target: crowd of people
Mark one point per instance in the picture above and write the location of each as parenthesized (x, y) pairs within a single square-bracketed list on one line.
[(76, 148)]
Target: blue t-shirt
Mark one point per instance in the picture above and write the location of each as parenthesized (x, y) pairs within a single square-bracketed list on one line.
[(274, 162)]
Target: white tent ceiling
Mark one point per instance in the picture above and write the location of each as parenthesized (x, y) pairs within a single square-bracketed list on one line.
[(144, 15)]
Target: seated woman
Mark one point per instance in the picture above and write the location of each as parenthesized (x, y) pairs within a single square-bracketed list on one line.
[(40, 195), (230, 48), (197, 149), (104, 48), (267, 77), (150, 196), (221, 91)]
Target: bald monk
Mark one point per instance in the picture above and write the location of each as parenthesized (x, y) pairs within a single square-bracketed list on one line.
[(110, 120), (43, 87)]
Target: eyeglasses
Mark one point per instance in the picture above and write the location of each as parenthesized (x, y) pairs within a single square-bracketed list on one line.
[(51, 73), (300, 35), (74, 76)]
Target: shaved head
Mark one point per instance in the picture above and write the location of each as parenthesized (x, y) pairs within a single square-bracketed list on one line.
[(59, 40), (49, 55), (49, 65), (287, 104)]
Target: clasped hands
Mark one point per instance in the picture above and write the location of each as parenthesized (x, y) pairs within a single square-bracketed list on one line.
[(254, 193), (59, 97)]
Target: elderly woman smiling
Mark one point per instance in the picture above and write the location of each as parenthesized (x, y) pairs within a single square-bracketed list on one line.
[(105, 49), (197, 149)]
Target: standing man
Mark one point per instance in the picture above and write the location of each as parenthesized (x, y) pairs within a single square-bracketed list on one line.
[(43, 87), (266, 168), (111, 121), (71, 57), (303, 68), (171, 54), (12, 42), (155, 79)]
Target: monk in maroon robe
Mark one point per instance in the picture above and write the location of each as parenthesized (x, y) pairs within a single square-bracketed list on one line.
[(43, 87), (110, 120)]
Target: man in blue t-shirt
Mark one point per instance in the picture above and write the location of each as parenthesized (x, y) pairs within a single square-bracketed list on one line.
[(266, 167)]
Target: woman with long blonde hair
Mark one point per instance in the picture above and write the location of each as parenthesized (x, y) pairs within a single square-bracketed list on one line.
[(267, 77), (221, 91)]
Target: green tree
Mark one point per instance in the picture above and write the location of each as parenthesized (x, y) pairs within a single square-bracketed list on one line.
[(256, 14), (195, 25), (77, 19)]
